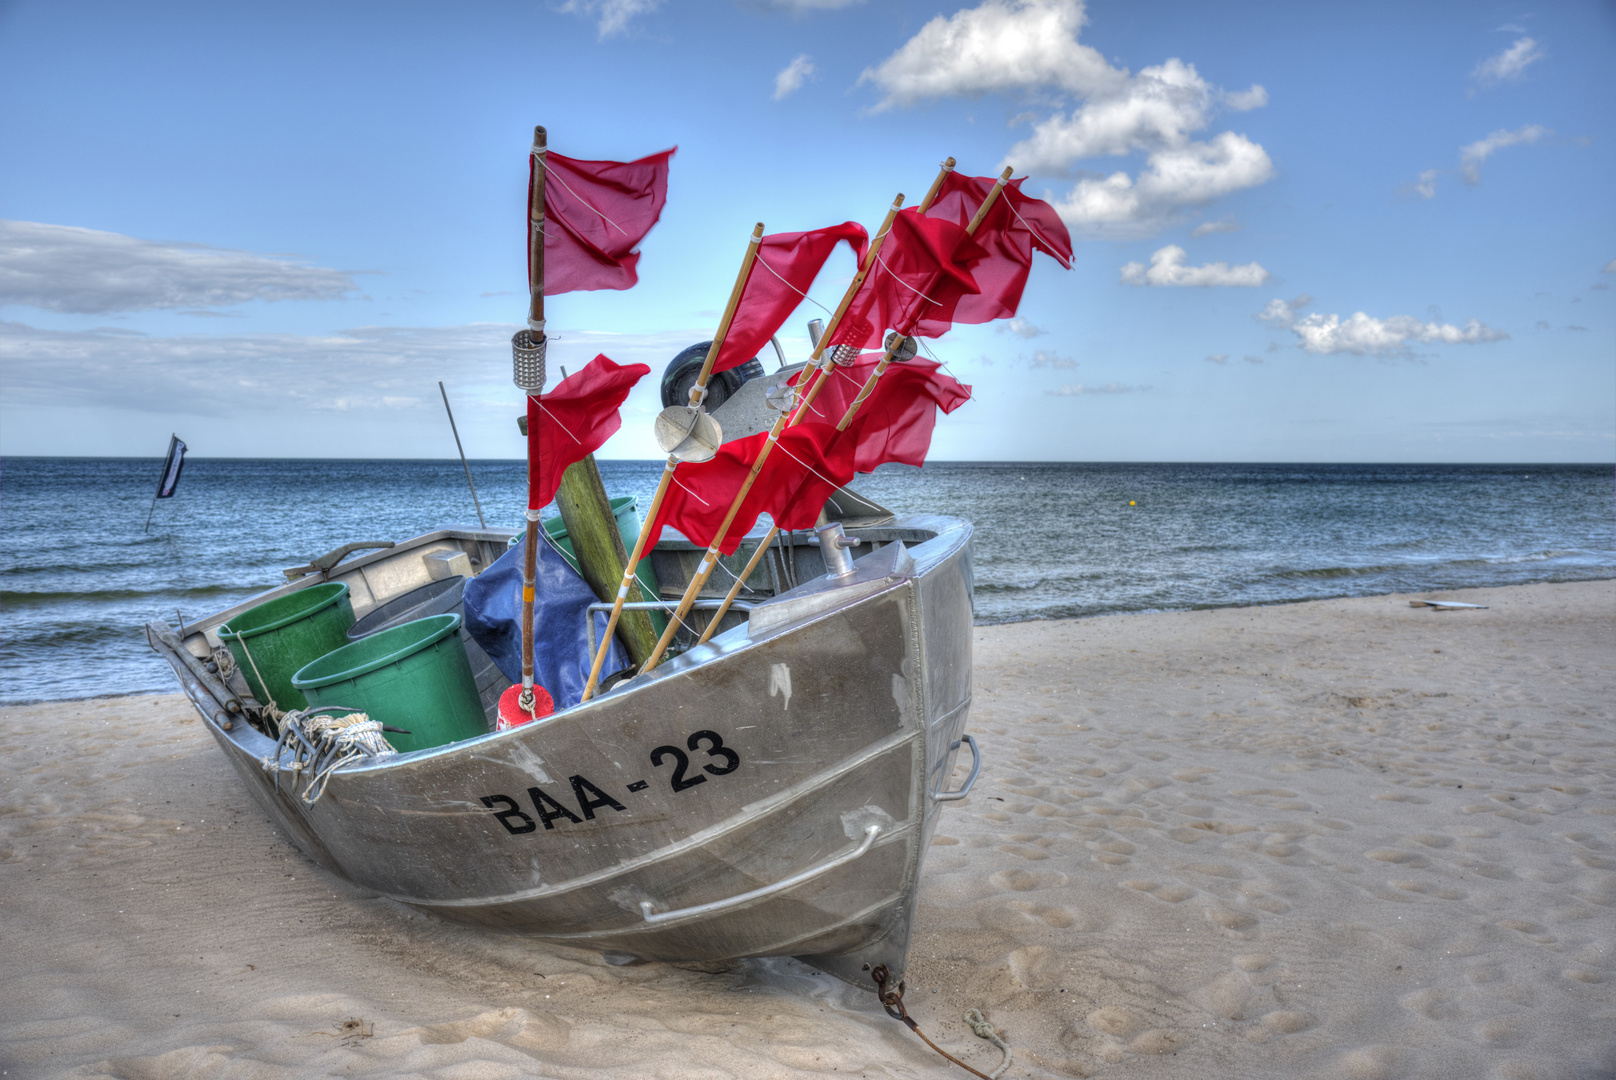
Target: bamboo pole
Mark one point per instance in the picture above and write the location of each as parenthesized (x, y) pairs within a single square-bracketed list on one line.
[(698, 393), (535, 322), (805, 395), (864, 392)]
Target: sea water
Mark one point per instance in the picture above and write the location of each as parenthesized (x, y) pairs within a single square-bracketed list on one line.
[(80, 577)]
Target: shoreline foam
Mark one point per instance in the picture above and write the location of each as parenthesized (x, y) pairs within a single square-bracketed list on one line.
[(1336, 838)]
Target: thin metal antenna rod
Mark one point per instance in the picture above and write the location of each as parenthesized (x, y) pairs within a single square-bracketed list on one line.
[(474, 500)]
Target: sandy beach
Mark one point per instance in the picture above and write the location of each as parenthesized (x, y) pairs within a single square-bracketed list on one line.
[(1347, 838)]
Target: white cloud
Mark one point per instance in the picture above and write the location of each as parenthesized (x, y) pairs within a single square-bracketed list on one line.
[(808, 5), (1283, 312), (347, 370), (1158, 107), (1021, 327), (1471, 157), (1218, 358), (1049, 358), (1223, 225), (1074, 389), (1022, 46), (1424, 185), (1364, 335), (1246, 100), (1003, 45), (1250, 359), (1510, 64), (792, 76), (86, 271), (611, 16), (1609, 268), (1173, 179), (1167, 268)]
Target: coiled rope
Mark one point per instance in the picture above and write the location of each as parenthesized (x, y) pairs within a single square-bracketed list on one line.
[(315, 745)]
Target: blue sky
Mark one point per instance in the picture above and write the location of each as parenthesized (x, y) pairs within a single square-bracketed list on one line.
[(1370, 232)]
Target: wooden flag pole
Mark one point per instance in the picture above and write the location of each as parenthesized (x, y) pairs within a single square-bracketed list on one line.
[(970, 230), (757, 556), (698, 393), (535, 322), (805, 397)]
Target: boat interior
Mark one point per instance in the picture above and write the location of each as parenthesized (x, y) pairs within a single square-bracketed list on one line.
[(377, 574)]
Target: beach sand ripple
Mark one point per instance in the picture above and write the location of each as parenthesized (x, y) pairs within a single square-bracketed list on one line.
[(1339, 839)]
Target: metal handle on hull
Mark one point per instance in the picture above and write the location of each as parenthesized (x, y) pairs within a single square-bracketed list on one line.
[(970, 781), (870, 833)]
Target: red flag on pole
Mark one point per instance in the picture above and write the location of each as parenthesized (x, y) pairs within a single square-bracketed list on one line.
[(595, 214), (921, 272), (574, 420), (895, 422), (806, 466), (1016, 226), (789, 264)]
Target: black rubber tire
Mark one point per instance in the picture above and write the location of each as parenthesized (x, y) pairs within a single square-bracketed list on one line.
[(682, 371)]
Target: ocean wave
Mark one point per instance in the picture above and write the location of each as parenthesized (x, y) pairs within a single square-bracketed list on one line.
[(29, 598)]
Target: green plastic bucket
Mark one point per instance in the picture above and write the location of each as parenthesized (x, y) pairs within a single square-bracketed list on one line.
[(624, 509), (414, 676), (271, 641)]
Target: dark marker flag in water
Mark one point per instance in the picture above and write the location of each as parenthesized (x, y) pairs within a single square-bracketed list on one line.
[(596, 212), (574, 420), (1015, 226), (807, 465), (790, 262), (172, 464), (920, 273)]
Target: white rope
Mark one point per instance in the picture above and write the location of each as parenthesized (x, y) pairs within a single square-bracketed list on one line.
[(1065, 263), (320, 745), (551, 172), (792, 287), (692, 494), (807, 466), (904, 283), (559, 424), (944, 365), (984, 1030)]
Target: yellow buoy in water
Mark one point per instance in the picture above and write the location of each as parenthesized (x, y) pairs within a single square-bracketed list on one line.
[(1130, 502)]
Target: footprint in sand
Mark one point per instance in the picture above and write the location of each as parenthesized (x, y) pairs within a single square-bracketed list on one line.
[(1028, 880), (1236, 921), (1172, 894), (1377, 1063)]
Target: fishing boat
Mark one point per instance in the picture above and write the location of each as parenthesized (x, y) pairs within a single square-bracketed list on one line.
[(767, 786), (770, 792)]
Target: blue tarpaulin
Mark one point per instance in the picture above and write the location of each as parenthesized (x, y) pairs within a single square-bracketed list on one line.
[(561, 655)]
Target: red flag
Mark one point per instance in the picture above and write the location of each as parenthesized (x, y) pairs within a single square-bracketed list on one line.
[(806, 466), (595, 214), (1015, 226), (896, 421), (920, 272), (573, 421), (790, 262)]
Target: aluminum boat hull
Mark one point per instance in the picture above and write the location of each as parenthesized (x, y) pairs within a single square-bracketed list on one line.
[(771, 792)]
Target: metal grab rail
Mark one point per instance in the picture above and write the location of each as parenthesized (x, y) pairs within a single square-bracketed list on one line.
[(870, 833), (970, 781)]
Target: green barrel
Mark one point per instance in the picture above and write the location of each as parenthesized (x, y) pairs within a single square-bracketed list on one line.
[(414, 676), (271, 641), (624, 509)]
